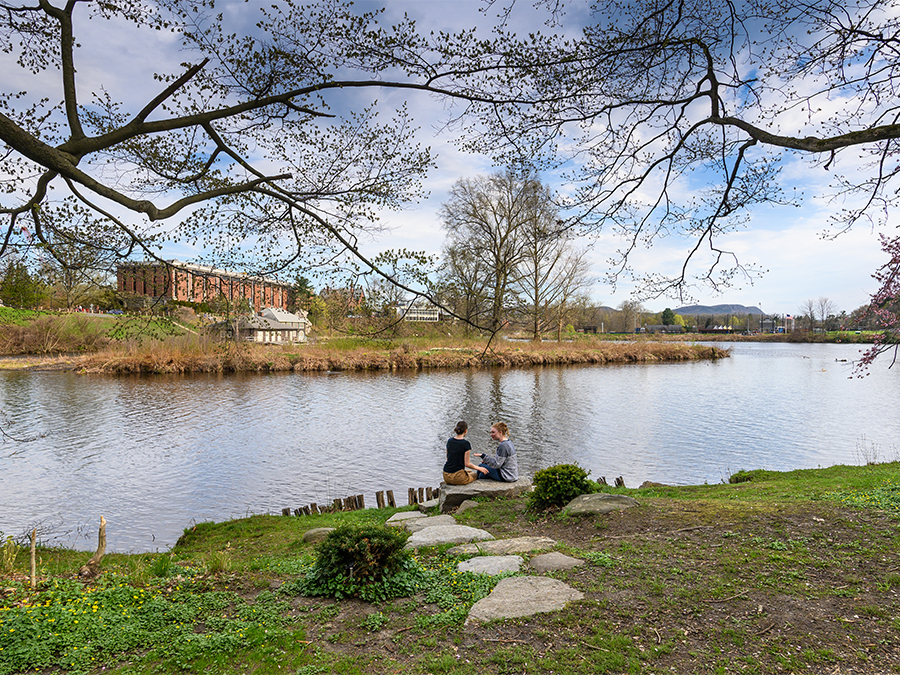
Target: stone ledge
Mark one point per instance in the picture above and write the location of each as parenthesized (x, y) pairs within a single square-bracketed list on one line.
[(454, 495)]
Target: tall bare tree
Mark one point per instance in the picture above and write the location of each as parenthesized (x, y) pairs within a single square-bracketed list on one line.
[(809, 311), (489, 216)]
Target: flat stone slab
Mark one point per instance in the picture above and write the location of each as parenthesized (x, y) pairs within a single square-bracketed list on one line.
[(446, 534), (317, 534), (553, 562), (492, 564), (599, 503), (523, 596), (399, 519), (505, 546), (416, 524), (454, 495)]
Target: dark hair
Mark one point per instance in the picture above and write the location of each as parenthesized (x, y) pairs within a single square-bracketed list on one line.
[(461, 427)]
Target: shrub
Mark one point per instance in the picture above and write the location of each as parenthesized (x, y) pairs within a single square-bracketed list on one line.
[(8, 555), (364, 561), (743, 476), (557, 486)]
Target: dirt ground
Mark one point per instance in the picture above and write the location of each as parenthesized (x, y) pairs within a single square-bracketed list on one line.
[(686, 589)]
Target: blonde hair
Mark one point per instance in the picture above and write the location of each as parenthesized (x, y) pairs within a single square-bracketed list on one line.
[(501, 427)]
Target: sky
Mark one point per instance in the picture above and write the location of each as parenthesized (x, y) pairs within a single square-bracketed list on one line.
[(795, 247), (788, 242)]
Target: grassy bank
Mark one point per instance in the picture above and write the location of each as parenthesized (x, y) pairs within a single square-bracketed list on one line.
[(194, 355), (783, 572)]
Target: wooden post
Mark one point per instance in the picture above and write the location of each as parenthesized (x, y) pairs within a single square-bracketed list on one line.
[(411, 495), (379, 499), (338, 505), (421, 496), (298, 512), (92, 568), (286, 512), (33, 547), (390, 499), (620, 482), (360, 502), (314, 508), (602, 480), (429, 494)]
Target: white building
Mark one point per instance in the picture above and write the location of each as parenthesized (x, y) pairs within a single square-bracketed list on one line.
[(421, 310)]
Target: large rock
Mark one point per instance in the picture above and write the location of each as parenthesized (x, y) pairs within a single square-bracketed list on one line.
[(523, 596), (598, 503), (446, 534), (317, 534), (491, 564), (454, 495), (505, 546)]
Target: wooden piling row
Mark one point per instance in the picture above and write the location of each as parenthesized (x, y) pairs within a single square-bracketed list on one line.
[(356, 502)]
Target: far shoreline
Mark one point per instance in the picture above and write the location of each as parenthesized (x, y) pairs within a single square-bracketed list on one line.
[(156, 358)]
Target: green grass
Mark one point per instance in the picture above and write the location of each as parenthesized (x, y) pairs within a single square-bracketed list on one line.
[(10, 316), (703, 575)]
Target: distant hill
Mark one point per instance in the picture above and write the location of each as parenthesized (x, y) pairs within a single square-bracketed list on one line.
[(694, 310)]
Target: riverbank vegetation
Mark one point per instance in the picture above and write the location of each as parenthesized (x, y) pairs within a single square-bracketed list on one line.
[(139, 344), (197, 355), (127, 343), (776, 572)]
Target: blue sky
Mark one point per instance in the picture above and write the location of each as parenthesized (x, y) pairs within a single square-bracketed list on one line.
[(802, 264), (793, 244)]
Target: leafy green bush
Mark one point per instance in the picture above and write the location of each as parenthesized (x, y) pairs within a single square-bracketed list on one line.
[(365, 561), (557, 486)]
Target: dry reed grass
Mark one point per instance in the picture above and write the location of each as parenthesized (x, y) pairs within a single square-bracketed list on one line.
[(197, 354)]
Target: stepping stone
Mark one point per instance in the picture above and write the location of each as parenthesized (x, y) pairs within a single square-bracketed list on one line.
[(523, 596), (454, 495), (505, 546), (553, 562), (446, 534), (598, 503), (416, 524), (492, 564), (398, 519)]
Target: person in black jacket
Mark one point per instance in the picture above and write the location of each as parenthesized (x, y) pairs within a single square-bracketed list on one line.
[(458, 449)]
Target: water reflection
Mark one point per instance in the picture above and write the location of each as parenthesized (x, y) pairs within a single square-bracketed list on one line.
[(154, 454)]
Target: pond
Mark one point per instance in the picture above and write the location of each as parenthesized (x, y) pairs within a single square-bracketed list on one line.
[(157, 454)]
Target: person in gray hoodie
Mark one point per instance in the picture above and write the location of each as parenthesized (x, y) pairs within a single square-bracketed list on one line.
[(504, 467)]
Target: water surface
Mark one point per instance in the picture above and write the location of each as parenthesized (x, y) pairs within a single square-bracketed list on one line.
[(156, 454)]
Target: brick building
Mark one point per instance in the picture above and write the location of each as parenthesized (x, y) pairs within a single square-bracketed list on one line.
[(197, 283)]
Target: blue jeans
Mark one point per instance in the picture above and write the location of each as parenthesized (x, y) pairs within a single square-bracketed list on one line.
[(491, 473)]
